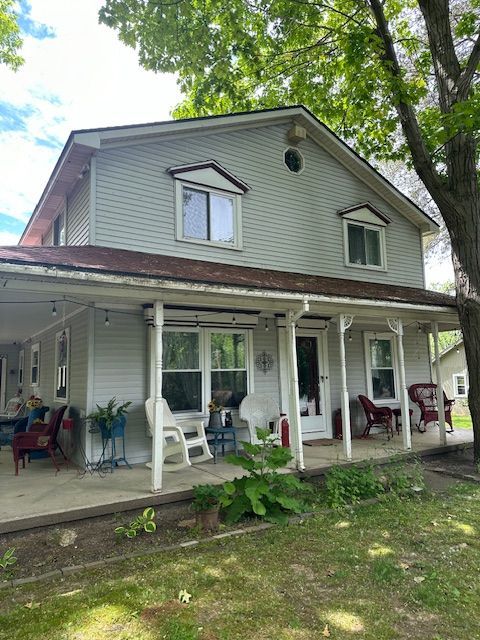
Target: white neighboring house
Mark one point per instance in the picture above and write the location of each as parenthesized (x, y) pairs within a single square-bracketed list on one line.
[(453, 364)]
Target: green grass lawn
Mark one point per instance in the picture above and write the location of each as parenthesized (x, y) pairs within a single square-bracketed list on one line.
[(462, 422), (392, 570)]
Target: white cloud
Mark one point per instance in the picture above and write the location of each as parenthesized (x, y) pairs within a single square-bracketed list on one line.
[(8, 238), (82, 78)]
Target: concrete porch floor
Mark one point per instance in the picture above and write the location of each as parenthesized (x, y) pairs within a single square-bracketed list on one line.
[(38, 497)]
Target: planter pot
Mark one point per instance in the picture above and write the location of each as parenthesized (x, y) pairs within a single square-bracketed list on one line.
[(215, 419), (208, 520), (117, 429)]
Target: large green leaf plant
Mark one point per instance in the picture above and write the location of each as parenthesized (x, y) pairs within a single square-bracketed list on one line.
[(263, 492)]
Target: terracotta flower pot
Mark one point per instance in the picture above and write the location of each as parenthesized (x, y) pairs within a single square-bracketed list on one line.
[(208, 520)]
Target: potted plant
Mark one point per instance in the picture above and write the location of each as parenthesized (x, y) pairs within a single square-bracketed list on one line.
[(215, 409), (110, 419), (206, 504)]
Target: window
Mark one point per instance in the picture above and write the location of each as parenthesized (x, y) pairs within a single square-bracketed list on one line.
[(35, 365), (460, 385), (208, 215), (21, 367), (293, 160), (381, 367), (208, 204), (201, 364), (62, 364), (182, 374), (59, 230), (364, 245)]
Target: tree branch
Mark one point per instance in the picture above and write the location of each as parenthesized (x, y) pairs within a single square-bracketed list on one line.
[(465, 80)]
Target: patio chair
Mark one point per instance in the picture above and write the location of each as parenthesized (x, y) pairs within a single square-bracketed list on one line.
[(41, 437), (177, 448), (424, 395), (14, 410), (260, 410), (376, 417)]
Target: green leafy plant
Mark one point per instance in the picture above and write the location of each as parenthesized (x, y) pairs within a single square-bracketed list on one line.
[(403, 478), (263, 492), (206, 497), (107, 415), (349, 485), (144, 522), (8, 559)]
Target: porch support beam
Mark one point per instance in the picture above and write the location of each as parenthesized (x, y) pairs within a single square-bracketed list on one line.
[(344, 323), (438, 375), (294, 400), (157, 435), (396, 325)]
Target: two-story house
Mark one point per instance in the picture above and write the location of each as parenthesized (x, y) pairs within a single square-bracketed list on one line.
[(258, 248)]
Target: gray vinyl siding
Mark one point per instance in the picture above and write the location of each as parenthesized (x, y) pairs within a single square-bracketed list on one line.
[(77, 400), (78, 213), (120, 370), (266, 383), (289, 221), (417, 369), (10, 352)]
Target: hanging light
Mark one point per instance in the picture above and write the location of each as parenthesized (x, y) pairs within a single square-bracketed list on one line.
[(457, 349), (375, 339), (54, 309), (197, 324), (350, 338), (234, 320), (419, 330), (266, 325), (107, 321)]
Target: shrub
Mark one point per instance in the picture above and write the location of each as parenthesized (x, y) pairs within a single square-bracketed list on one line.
[(263, 492), (403, 478), (349, 485), (206, 497), (144, 522)]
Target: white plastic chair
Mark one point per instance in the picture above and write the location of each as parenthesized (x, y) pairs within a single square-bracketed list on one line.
[(260, 410), (175, 444)]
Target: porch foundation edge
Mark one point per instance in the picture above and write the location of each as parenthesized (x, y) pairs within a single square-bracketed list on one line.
[(83, 513)]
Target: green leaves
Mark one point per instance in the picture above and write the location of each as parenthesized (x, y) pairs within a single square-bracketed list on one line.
[(10, 40), (143, 522), (8, 559)]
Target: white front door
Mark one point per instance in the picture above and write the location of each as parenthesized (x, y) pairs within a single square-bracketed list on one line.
[(313, 383)]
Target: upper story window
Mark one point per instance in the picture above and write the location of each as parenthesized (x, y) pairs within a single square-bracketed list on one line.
[(364, 237), (208, 205), (59, 230)]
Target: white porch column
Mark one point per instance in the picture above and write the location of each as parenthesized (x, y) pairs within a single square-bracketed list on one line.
[(344, 323), (157, 435), (438, 372), (294, 400), (396, 325)]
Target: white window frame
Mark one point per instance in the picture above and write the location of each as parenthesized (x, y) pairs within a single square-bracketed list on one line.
[(204, 345), (67, 367), (371, 335), (21, 368), (455, 378), (200, 365), (35, 348), (383, 248), (237, 243)]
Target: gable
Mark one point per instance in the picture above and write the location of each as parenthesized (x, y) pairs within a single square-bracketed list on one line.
[(366, 213), (210, 174)]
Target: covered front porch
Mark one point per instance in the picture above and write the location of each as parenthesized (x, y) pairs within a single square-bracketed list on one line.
[(83, 337)]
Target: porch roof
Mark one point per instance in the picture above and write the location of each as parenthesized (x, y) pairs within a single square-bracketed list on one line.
[(147, 265)]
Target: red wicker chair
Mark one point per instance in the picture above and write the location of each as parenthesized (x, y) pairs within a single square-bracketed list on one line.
[(376, 417), (41, 437), (425, 396)]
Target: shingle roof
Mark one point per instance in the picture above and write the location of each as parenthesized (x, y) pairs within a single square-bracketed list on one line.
[(148, 265)]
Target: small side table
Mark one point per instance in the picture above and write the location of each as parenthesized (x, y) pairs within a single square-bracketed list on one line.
[(397, 413), (220, 439)]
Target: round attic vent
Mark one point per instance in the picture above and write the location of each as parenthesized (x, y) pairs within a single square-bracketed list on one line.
[(293, 160)]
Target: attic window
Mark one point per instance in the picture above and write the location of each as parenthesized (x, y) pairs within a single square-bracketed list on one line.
[(364, 237), (293, 160)]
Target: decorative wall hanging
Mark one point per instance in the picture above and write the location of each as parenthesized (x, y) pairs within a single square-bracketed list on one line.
[(264, 362)]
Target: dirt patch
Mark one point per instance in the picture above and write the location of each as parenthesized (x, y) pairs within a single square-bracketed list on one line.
[(457, 462), (166, 609)]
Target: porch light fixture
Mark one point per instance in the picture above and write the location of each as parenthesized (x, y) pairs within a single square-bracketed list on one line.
[(266, 325), (107, 321), (419, 330), (457, 350), (375, 338), (197, 323), (54, 309), (234, 320), (350, 338)]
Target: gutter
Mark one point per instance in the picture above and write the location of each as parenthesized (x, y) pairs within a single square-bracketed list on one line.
[(56, 273)]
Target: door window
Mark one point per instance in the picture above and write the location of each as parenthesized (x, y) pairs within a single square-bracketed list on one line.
[(308, 376)]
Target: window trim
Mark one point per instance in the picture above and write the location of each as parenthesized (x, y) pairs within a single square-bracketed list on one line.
[(455, 378), (35, 348), (367, 336), (237, 244), (60, 220), (204, 344), (21, 368), (180, 329), (55, 368), (383, 247), (302, 159)]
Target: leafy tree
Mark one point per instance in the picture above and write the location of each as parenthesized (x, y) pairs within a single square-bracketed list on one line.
[(368, 68), (10, 40)]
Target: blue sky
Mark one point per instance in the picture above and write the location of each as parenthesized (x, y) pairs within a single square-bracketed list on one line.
[(76, 75)]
